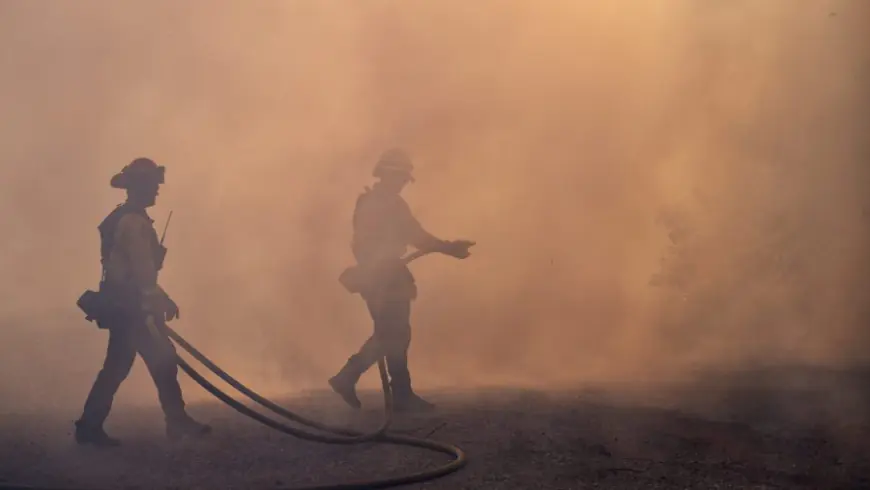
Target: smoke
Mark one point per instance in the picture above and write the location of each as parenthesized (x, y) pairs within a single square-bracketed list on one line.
[(557, 135)]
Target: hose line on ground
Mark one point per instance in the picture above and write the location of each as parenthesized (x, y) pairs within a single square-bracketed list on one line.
[(339, 435)]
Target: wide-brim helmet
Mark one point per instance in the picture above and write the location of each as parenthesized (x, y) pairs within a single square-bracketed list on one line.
[(141, 171), (392, 162)]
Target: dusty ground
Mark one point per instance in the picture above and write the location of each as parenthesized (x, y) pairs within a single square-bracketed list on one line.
[(811, 435)]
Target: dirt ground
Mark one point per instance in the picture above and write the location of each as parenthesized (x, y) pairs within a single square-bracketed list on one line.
[(808, 435)]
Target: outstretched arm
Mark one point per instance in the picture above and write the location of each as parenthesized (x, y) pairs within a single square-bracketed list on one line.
[(427, 242)]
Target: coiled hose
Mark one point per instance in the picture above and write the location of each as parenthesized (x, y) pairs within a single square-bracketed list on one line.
[(329, 435), (332, 435)]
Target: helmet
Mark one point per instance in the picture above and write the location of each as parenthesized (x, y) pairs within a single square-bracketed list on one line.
[(394, 161), (139, 171)]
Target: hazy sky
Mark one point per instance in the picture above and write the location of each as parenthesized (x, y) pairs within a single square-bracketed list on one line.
[(552, 133)]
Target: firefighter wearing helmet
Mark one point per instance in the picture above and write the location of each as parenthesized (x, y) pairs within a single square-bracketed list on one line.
[(132, 256), (383, 228)]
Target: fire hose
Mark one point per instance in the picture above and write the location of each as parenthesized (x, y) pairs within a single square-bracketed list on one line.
[(327, 435), (331, 435)]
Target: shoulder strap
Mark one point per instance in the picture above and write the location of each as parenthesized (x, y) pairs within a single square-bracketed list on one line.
[(108, 227)]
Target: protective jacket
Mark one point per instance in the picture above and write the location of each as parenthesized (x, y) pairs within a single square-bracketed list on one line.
[(383, 227), (131, 253)]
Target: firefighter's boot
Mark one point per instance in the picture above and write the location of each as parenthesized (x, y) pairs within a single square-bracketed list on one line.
[(344, 383), (93, 435)]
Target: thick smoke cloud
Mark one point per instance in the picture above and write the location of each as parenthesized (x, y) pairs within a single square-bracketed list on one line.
[(567, 138)]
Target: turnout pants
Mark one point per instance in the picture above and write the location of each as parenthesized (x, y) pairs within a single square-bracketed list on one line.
[(126, 339), (391, 339)]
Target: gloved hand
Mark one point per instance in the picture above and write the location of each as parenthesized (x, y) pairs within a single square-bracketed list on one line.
[(172, 311), (159, 304), (459, 248)]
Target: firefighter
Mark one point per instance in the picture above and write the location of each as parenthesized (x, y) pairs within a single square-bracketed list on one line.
[(132, 256), (383, 228)]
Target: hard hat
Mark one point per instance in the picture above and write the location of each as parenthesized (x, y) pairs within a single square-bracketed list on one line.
[(394, 161), (139, 171)]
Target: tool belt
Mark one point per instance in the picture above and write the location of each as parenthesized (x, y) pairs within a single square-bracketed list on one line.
[(390, 279), (109, 305)]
